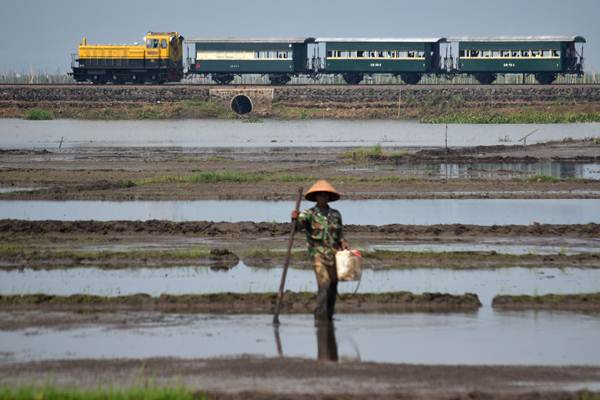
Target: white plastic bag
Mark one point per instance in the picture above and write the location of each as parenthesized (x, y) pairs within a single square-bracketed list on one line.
[(348, 265)]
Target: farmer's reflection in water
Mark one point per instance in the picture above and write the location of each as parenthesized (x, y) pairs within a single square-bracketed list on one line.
[(327, 349)]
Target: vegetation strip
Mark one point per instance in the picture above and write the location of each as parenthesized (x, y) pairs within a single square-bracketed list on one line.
[(49, 392), (430, 110), (575, 302), (133, 393), (245, 303)]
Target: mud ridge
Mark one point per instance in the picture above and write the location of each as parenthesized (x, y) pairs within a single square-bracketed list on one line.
[(266, 229), (244, 303), (589, 302)]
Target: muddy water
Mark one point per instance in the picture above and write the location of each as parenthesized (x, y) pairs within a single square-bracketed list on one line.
[(489, 170), (12, 189), (360, 212), (242, 279), (566, 246), (269, 133), (493, 338)]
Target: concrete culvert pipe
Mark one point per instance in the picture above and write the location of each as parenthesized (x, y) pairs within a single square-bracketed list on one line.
[(241, 104)]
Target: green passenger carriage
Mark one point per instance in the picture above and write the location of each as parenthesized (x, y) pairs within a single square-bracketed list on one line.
[(543, 56), (225, 58), (355, 57)]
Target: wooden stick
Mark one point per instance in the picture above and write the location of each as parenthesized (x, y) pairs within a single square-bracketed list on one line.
[(287, 262)]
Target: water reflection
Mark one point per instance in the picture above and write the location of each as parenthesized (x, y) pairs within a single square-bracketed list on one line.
[(327, 348), (512, 170), (417, 212), (558, 170)]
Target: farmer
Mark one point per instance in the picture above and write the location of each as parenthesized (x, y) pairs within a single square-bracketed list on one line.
[(323, 226)]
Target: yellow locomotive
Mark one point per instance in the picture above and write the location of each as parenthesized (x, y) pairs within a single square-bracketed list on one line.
[(159, 59)]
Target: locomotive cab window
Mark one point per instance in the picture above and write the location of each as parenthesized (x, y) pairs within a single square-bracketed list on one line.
[(152, 43), (163, 44)]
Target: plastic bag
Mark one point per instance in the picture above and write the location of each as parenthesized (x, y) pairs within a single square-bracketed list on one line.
[(348, 265)]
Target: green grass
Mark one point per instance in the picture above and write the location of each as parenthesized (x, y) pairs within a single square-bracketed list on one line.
[(542, 179), (253, 119), (39, 114), (205, 177), (364, 153), (226, 176), (376, 152), (207, 109), (524, 117), (134, 393)]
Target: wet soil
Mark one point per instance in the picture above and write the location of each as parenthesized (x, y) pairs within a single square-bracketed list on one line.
[(253, 230), (279, 378), (163, 244), (568, 302), (171, 173), (245, 303)]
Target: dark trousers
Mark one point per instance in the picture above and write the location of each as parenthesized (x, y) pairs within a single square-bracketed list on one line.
[(325, 270)]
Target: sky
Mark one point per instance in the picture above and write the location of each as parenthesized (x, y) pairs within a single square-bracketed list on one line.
[(41, 34)]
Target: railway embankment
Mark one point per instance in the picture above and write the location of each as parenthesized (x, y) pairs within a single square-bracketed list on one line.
[(429, 103)]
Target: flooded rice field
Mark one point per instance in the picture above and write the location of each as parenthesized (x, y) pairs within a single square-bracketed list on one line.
[(270, 133), (486, 337), (558, 170), (520, 246), (242, 279), (360, 212)]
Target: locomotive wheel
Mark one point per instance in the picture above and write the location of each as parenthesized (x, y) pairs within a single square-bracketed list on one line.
[(98, 79), (411, 78), (485, 78), (545, 78), (352, 78), (279, 79), (222, 79)]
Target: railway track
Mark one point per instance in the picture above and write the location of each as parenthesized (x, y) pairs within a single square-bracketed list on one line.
[(312, 86)]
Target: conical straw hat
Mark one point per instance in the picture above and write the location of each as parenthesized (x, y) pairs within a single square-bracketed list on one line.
[(321, 186)]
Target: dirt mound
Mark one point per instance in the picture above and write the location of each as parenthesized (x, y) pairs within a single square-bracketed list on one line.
[(244, 229), (244, 303), (571, 302)]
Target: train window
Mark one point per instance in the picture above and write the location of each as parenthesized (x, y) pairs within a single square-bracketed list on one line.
[(163, 43), (504, 53), (486, 53), (524, 53), (461, 53), (360, 53), (535, 53), (421, 53), (555, 53), (495, 53), (515, 53)]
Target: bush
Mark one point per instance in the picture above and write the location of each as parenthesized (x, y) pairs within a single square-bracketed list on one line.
[(38, 114)]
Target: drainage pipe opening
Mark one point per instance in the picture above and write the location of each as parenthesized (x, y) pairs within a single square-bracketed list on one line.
[(241, 104)]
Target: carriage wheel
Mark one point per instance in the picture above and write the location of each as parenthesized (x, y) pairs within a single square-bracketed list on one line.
[(485, 78), (545, 78), (352, 78)]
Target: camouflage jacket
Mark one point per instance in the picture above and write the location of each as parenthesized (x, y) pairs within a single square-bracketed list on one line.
[(323, 230)]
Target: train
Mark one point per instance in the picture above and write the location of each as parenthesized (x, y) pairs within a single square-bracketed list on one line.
[(160, 59)]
